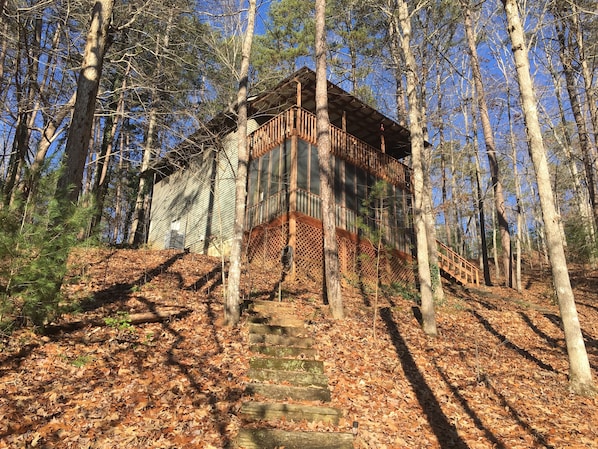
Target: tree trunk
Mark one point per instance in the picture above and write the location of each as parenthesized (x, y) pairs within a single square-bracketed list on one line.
[(28, 54), (580, 374), (137, 232), (417, 153), (49, 134), (458, 230), (586, 73), (482, 218), (232, 311), (479, 195), (446, 204), (479, 92), (331, 263), (520, 219), (430, 218), (117, 233), (588, 150), (437, 290), (397, 65), (100, 184), (581, 196), (77, 144)]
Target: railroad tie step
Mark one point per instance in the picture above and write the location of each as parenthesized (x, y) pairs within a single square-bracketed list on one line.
[(273, 438), (270, 307), (283, 351), (274, 363), (274, 329), (265, 411), (296, 378), (281, 340), (277, 320), (287, 392)]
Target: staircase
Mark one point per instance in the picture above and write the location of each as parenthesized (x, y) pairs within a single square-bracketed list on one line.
[(287, 382), (456, 266)]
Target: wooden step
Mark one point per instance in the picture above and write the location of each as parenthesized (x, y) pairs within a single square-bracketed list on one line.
[(283, 351), (281, 340), (283, 392), (277, 320), (256, 411), (273, 438), (308, 366), (270, 307), (296, 378), (270, 329)]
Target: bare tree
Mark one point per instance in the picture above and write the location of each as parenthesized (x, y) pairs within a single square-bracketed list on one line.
[(101, 180), (77, 144), (580, 374), (140, 214), (417, 153), (232, 310), (480, 94), (588, 148), (331, 264)]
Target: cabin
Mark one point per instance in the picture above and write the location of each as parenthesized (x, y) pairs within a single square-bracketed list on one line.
[(193, 202)]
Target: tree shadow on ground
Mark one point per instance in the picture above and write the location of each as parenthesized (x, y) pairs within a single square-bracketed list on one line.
[(506, 405), (508, 344), (445, 432), (121, 291), (208, 281), (553, 342), (471, 295), (465, 404), (175, 357)]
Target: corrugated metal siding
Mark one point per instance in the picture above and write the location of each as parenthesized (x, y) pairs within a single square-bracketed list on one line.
[(197, 197), (224, 210), (162, 201), (202, 198)]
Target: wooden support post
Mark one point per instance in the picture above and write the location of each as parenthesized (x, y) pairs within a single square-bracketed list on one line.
[(293, 203), (298, 94)]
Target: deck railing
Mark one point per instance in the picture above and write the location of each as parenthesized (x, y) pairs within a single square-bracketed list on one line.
[(345, 146)]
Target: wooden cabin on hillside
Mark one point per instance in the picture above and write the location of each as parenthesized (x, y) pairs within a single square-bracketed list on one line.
[(193, 207)]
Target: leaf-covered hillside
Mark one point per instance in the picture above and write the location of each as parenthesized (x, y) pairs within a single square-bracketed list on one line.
[(496, 377)]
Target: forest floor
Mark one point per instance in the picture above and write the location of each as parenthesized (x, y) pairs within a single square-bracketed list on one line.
[(496, 377)]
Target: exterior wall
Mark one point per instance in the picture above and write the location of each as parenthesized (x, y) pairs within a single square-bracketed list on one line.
[(194, 208), (180, 204)]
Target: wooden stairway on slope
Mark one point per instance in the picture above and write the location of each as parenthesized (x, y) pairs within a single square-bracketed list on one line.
[(286, 382), (457, 266)]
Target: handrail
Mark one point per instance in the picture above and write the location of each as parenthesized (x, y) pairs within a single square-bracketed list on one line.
[(457, 266)]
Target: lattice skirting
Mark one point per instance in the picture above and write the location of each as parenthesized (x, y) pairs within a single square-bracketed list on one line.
[(264, 246)]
